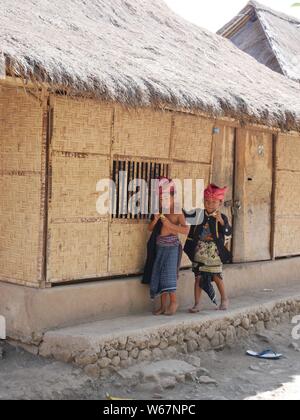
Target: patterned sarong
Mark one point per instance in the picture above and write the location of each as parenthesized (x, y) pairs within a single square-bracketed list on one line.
[(165, 269)]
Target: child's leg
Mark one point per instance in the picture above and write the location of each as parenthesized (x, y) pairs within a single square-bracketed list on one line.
[(221, 287), (173, 305), (163, 305), (198, 293)]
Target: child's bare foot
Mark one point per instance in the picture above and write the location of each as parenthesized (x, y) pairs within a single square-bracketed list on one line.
[(224, 305), (172, 309), (195, 309), (159, 312)]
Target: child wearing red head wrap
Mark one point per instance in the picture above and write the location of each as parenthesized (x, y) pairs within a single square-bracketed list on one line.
[(206, 248)]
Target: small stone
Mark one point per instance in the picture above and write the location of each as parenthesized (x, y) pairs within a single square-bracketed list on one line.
[(210, 332), (170, 352), (123, 343), (206, 380), (112, 353), (123, 354), (163, 345), (104, 362), (134, 353), (154, 341), (173, 340), (204, 344), (192, 346), (169, 383), (237, 322), (92, 370), (86, 359), (246, 323), (145, 355), (116, 361)]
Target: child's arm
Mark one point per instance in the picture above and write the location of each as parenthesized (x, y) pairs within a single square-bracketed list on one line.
[(182, 228), (153, 222)]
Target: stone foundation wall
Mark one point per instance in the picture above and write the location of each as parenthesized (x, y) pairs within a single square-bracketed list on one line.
[(101, 358)]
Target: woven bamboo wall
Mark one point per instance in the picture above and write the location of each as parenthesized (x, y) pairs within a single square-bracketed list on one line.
[(86, 138), (144, 133), (22, 157), (287, 207), (80, 148)]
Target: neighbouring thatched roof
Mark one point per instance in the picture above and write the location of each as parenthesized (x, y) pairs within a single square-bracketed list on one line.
[(138, 52), (281, 31)]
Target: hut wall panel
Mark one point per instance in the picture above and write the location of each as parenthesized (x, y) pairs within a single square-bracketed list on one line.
[(21, 180), (21, 131), (288, 152), (287, 237), (287, 193), (127, 247), (192, 138), (287, 208), (74, 181), (78, 251), (80, 157), (142, 133), (82, 126)]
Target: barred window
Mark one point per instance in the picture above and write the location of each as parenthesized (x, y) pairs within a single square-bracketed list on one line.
[(132, 178)]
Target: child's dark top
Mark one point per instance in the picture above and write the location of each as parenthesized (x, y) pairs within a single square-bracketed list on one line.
[(219, 234)]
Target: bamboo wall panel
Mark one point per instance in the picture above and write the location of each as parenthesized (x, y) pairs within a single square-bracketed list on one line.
[(74, 181), (287, 237), (19, 233), (287, 209), (288, 152), (142, 133), (21, 180), (192, 138), (127, 247), (287, 193), (21, 131), (81, 126), (78, 251), (77, 234)]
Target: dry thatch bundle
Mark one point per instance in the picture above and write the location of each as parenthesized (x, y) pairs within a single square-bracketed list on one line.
[(138, 52)]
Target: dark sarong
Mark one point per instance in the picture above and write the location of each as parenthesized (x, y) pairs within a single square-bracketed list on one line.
[(165, 269)]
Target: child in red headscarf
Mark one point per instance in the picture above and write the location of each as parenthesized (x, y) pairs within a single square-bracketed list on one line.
[(206, 248)]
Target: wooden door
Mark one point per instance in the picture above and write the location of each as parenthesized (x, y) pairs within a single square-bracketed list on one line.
[(253, 196)]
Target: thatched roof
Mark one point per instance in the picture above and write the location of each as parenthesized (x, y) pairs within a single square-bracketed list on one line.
[(138, 52), (282, 33)]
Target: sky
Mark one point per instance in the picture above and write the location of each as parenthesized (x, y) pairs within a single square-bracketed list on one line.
[(213, 14)]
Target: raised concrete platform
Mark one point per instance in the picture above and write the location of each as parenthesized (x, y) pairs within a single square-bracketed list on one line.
[(114, 344), (31, 312)]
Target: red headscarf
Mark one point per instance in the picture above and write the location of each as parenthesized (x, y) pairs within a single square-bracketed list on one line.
[(213, 192)]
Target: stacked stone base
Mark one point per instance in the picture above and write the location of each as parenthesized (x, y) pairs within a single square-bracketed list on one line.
[(100, 356)]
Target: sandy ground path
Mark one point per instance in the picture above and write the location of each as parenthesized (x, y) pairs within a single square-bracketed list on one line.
[(232, 374)]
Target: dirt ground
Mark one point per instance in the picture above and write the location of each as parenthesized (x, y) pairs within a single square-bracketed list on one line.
[(228, 374)]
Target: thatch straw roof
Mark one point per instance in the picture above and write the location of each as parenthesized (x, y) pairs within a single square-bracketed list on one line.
[(281, 32), (138, 52)]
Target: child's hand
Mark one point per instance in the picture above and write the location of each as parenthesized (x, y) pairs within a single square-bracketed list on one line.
[(219, 217)]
